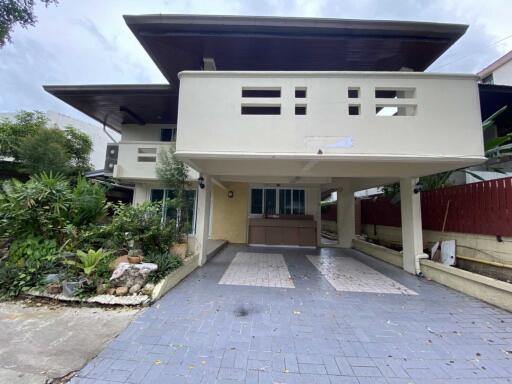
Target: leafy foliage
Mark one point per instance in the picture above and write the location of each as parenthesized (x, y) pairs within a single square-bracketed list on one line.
[(173, 173), (88, 262), (36, 148), (14, 12), (46, 205), (29, 261), (166, 262), (142, 226)]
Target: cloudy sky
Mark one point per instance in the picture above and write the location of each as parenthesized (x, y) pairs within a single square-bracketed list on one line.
[(87, 42)]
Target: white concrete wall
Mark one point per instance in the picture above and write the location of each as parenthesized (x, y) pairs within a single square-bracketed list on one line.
[(148, 132), (503, 74), (210, 119)]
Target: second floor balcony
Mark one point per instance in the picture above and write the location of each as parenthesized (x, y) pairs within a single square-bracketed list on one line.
[(379, 120)]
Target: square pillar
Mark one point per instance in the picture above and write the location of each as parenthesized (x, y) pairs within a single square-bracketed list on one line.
[(412, 235), (346, 217), (203, 219)]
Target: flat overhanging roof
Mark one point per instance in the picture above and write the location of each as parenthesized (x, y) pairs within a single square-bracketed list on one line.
[(181, 42), (115, 105)]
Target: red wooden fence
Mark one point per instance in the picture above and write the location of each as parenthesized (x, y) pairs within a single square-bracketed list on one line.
[(484, 208)]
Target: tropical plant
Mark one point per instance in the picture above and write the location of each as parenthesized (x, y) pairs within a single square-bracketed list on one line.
[(88, 262), (173, 174), (141, 226), (166, 262), (88, 203)]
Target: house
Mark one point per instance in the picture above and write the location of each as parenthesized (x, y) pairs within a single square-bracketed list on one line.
[(499, 72), (271, 112)]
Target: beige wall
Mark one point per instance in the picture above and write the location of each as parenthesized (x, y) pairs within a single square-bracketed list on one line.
[(482, 247), (229, 216)]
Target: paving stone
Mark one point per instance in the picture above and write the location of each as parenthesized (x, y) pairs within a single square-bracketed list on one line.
[(206, 332)]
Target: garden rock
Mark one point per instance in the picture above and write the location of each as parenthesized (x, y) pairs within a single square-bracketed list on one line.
[(101, 289), (127, 275), (148, 288), (111, 291), (121, 291), (135, 288), (135, 252), (52, 278), (115, 263), (69, 288), (54, 288)]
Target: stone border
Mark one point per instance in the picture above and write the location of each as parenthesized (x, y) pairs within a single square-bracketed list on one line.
[(484, 288), (378, 251), (98, 299), (173, 278), (492, 291)]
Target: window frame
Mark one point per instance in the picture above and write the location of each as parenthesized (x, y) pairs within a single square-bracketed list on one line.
[(165, 197), (278, 200)]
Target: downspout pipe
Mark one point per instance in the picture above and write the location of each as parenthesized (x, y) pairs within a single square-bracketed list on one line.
[(105, 127)]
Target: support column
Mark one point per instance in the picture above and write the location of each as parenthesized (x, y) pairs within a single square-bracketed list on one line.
[(346, 217), (203, 219), (412, 235)]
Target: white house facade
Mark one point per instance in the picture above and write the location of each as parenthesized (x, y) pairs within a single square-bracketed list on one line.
[(272, 113)]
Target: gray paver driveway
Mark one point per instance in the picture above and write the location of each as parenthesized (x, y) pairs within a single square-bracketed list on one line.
[(206, 332)]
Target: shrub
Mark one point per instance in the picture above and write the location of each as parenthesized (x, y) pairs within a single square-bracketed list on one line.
[(166, 262), (142, 225), (46, 205), (29, 261), (88, 262)]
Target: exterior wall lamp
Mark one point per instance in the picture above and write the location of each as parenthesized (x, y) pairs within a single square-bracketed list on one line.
[(200, 182), (230, 194), (418, 187)]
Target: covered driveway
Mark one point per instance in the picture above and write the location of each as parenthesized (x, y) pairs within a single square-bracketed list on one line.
[(275, 315)]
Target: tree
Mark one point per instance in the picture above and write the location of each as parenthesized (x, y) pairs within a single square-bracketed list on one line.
[(24, 124), (173, 173), (34, 147), (14, 12)]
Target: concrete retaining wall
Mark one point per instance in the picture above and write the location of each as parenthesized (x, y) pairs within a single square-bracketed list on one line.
[(173, 278)]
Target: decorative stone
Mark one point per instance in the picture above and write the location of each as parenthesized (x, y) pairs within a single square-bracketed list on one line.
[(135, 252), (52, 278), (101, 289), (127, 275), (148, 289), (69, 288), (121, 291), (111, 291), (134, 288), (54, 288), (115, 263)]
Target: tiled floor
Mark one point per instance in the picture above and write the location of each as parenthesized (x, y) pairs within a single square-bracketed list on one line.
[(206, 332), (258, 270), (348, 274)]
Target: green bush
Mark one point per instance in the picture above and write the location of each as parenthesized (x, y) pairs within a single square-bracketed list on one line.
[(46, 205), (166, 262), (88, 262), (141, 226), (29, 261)]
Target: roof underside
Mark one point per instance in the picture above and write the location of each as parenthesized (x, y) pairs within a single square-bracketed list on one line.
[(180, 42), (116, 105)]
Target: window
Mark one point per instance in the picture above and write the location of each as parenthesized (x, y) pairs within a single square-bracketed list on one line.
[(354, 110), (169, 213), (300, 109), (261, 92), (392, 110), (168, 134), (261, 109), (146, 155), (284, 201), (395, 93), (353, 93), (300, 92)]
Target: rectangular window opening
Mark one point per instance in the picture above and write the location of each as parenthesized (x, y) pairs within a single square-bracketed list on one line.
[(146, 159), (353, 93), (300, 92), (395, 110), (168, 134), (146, 150), (300, 109), (261, 109), (284, 201), (354, 110), (261, 92), (395, 93)]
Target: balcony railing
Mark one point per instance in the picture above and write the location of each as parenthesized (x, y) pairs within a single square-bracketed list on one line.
[(346, 114)]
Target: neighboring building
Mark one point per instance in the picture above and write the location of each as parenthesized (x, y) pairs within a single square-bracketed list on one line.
[(98, 137), (499, 72), (272, 113)]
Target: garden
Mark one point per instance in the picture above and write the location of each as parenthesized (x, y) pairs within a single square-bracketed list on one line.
[(58, 237)]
